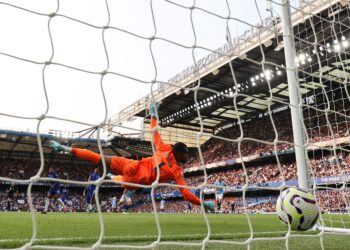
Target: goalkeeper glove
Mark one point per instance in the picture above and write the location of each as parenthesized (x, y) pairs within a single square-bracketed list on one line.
[(58, 147), (109, 176), (209, 205), (152, 109)]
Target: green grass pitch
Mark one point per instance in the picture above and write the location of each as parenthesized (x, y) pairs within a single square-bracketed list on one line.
[(82, 229)]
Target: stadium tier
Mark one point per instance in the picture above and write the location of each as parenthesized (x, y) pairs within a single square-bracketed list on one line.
[(262, 169)]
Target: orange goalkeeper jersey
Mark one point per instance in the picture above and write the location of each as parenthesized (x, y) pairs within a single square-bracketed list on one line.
[(145, 171)]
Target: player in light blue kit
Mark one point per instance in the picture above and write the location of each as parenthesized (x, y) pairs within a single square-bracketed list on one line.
[(54, 192), (114, 204), (219, 192), (162, 205), (90, 190)]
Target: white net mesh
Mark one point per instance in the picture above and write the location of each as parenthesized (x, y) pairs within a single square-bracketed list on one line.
[(322, 55), (255, 124)]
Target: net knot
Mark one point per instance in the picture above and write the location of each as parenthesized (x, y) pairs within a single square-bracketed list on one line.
[(26, 247), (154, 184), (206, 241), (51, 15), (155, 244), (41, 117), (34, 178), (249, 241), (99, 181), (97, 245), (245, 186)]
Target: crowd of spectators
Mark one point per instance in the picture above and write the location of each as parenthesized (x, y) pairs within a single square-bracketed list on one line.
[(334, 200), (76, 201), (263, 174), (257, 137), (260, 175), (329, 200), (25, 168), (324, 126), (262, 129), (229, 205)]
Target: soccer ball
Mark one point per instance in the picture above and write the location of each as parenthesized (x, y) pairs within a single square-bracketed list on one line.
[(297, 208)]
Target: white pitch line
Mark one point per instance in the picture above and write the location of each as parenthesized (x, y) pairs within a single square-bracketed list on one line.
[(138, 236)]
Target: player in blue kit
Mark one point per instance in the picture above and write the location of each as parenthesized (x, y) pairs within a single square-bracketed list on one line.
[(219, 192), (90, 190), (189, 207), (65, 193), (54, 192)]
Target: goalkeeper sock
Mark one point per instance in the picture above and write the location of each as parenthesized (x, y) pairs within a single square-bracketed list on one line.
[(47, 203), (86, 155)]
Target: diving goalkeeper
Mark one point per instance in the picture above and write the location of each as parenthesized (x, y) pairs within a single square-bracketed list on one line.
[(170, 160)]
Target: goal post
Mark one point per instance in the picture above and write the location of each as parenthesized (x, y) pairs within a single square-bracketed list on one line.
[(293, 61), (294, 95)]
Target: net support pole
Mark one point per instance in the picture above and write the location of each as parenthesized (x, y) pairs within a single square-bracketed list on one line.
[(294, 95)]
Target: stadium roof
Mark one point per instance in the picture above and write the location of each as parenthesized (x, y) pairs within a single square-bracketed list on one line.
[(177, 108), (25, 144), (11, 141)]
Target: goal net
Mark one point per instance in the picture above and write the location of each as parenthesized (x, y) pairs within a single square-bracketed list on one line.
[(322, 66), (269, 109)]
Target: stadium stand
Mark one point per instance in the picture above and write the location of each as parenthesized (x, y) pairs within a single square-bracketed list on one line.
[(19, 158), (214, 150)]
